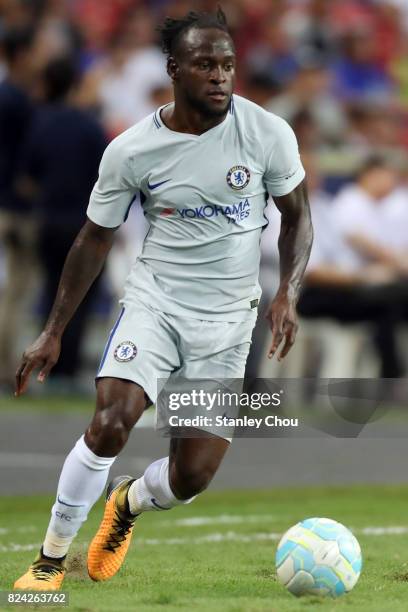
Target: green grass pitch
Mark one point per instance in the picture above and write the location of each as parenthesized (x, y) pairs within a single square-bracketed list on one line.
[(218, 553)]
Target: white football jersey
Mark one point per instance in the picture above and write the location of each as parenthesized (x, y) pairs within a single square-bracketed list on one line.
[(204, 197)]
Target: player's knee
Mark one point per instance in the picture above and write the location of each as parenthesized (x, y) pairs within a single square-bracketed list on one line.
[(107, 433), (188, 481), (110, 428)]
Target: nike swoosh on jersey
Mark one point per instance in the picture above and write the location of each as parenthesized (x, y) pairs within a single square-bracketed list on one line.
[(156, 185)]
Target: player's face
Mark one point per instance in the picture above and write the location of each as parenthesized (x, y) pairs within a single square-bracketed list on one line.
[(205, 70)]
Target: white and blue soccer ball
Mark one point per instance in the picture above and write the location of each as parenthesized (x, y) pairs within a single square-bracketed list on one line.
[(318, 556)]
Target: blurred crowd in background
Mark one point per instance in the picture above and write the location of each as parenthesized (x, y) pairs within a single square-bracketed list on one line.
[(75, 73)]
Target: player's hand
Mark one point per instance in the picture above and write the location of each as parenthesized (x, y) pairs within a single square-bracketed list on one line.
[(282, 318), (43, 354)]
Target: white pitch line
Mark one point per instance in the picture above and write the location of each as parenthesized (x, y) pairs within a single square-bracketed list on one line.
[(379, 531), (25, 529), (12, 547), (226, 519), (221, 519), (229, 536)]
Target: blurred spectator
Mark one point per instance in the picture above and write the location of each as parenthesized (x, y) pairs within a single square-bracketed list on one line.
[(388, 31), (374, 211), (375, 127), (399, 71), (260, 88), (402, 11), (131, 81), (17, 14), (60, 165), (247, 17), (358, 72), (310, 27), (272, 54), (98, 20), (17, 226), (57, 34), (358, 267), (310, 92)]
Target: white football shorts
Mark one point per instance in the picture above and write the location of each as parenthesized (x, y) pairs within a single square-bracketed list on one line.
[(150, 347)]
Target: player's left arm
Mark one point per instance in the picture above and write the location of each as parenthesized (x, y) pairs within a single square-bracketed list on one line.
[(295, 243)]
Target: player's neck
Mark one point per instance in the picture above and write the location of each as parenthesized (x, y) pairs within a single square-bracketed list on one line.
[(186, 120)]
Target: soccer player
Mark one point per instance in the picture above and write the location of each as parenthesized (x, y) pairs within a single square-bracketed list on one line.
[(204, 166)]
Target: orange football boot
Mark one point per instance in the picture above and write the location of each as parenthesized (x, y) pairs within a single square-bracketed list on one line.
[(108, 549), (44, 574)]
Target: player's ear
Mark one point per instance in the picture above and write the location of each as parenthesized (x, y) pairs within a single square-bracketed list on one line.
[(172, 68)]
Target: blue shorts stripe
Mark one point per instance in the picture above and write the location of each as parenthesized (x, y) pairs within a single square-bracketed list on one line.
[(115, 327)]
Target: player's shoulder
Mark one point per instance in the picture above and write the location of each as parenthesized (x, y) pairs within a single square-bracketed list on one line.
[(134, 137), (257, 117), (131, 143)]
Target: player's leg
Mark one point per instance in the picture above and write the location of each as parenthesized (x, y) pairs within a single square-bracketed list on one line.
[(217, 349), (177, 479), (83, 478), (166, 483), (194, 464), (144, 350)]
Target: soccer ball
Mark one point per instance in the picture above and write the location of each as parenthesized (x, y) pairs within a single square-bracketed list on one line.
[(318, 556)]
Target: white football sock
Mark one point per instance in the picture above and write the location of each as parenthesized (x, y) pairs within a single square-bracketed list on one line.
[(82, 481), (152, 491)]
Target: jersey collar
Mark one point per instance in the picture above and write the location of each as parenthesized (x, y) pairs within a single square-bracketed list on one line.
[(159, 124)]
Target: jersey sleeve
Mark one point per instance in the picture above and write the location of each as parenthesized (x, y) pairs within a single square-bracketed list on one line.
[(114, 190), (284, 170)]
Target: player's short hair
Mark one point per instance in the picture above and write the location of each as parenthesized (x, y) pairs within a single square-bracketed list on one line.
[(172, 29), (15, 40)]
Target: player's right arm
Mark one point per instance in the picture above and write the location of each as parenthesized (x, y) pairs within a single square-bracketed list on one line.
[(83, 264), (108, 207)]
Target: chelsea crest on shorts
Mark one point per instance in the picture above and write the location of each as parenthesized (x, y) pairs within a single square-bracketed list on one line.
[(125, 351)]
